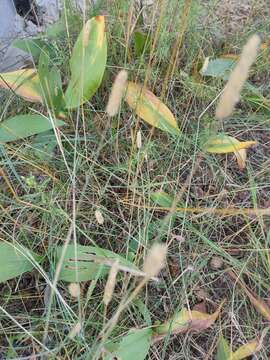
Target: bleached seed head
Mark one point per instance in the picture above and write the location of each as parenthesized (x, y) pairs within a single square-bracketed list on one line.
[(75, 331), (99, 217), (118, 89), (155, 260), (139, 139), (110, 285), (74, 289), (239, 75)]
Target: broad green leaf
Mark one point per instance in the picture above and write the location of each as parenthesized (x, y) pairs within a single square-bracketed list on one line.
[(217, 68), (149, 108), (246, 350), (223, 349), (22, 126), (163, 199), (87, 63), (35, 47), (44, 144), (14, 261), (84, 262), (141, 43), (23, 82), (187, 320), (51, 84), (223, 144), (134, 346)]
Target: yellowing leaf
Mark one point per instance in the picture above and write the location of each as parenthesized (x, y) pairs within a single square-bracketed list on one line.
[(259, 304), (87, 63), (149, 108), (185, 321), (246, 350), (224, 352), (23, 82), (223, 144)]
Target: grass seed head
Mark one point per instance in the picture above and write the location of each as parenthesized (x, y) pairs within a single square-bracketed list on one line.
[(99, 217), (139, 139), (239, 75), (74, 289), (110, 285), (117, 92), (75, 331), (155, 260)]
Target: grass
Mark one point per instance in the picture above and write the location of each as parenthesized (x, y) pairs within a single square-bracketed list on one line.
[(46, 200)]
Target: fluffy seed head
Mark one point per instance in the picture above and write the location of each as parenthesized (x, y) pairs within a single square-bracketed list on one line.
[(139, 139), (99, 217), (74, 289), (216, 262), (75, 331), (117, 92), (239, 75), (155, 260), (110, 285)]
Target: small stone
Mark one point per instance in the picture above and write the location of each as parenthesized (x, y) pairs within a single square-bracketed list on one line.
[(201, 294), (216, 262)]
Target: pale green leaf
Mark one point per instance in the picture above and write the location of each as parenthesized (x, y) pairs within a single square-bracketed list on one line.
[(223, 349), (87, 63), (134, 346), (22, 126), (163, 199), (220, 68), (14, 261), (82, 263)]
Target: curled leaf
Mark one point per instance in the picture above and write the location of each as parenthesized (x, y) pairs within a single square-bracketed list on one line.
[(23, 82), (149, 108), (87, 63), (185, 321)]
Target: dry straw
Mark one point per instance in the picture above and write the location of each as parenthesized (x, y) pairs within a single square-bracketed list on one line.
[(155, 260), (117, 92), (239, 75), (110, 285)]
